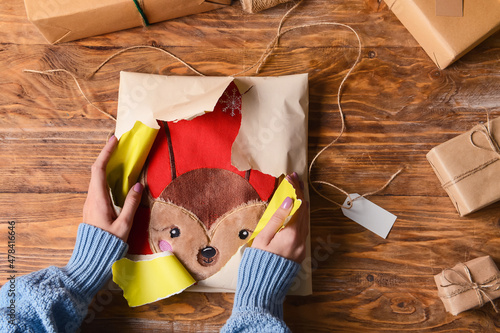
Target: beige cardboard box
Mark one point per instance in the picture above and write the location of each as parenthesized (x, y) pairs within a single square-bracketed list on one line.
[(468, 167), (65, 20), (447, 38), (468, 285)]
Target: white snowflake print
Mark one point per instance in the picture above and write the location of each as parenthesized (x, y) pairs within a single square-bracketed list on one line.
[(231, 102)]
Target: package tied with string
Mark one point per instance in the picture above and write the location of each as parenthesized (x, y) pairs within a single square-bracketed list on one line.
[(468, 167), (469, 285), (448, 29), (63, 20), (211, 153)]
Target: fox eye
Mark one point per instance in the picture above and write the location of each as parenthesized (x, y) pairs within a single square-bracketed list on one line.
[(175, 232), (243, 234)]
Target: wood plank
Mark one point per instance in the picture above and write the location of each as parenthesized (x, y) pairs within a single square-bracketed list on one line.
[(397, 106), (235, 26)]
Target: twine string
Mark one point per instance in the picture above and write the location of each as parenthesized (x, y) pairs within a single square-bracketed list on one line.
[(259, 64), (145, 47), (494, 147), (52, 71), (486, 131), (254, 6), (141, 12), (467, 283), (272, 44)]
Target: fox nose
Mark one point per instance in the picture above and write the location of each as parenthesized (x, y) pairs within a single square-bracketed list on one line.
[(208, 252), (208, 256)]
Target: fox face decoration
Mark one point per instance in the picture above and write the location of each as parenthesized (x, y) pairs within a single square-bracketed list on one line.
[(198, 206), (204, 235)]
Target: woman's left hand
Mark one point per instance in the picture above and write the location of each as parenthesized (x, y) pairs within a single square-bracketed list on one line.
[(98, 210)]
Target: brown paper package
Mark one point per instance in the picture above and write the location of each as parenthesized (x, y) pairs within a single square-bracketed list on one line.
[(446, 38), (469, 174), (461, 295), (66, 20)]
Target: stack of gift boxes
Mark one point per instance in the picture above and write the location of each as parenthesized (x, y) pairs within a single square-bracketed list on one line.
[(467, 166)]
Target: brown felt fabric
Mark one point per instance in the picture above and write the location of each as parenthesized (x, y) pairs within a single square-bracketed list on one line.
[(223, 236), (209, 193), (225, 231), (193, 235)]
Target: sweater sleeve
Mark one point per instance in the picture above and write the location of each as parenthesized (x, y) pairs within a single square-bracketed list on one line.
[(56, 299), (263, 281)]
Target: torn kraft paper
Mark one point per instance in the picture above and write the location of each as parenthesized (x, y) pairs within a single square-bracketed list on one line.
[(260, 134)]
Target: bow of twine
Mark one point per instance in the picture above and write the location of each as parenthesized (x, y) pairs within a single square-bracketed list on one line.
[(258, 65), (467, 283), (486, 131)]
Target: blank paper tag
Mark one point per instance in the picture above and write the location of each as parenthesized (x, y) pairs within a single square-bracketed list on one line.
[(372, 217)]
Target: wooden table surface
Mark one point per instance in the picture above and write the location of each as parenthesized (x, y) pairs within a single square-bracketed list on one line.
[(397, 105)]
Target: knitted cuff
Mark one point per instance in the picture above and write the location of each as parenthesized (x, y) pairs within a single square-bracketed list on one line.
[(90, 265), (263, 281)]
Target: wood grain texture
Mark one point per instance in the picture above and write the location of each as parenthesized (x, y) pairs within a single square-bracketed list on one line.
[(398, 106)]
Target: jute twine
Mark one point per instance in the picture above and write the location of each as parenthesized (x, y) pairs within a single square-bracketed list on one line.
[(467, 283), (258, 65), (487, 132), (494, 147), (255, 6)]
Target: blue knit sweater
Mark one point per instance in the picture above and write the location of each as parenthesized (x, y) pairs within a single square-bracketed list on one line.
[(56, 299)]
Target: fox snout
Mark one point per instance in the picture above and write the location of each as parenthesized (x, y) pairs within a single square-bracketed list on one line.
[(208, 256)]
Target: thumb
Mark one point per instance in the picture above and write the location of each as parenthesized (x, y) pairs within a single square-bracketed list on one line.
[(275, 222), (132, 201)]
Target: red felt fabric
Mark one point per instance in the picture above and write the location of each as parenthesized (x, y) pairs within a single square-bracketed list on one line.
[(138, 237), (203, 142)]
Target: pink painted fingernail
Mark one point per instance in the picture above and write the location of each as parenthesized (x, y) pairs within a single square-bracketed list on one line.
[(295, 175), (138, 187), (287, 203), (111, 137)]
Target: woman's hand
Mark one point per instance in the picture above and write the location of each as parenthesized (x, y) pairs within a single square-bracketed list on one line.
[(98, 210), (290, 242)]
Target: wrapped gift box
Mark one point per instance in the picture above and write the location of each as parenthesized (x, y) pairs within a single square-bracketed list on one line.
[(65, 20), (469, 285), (251, 128), (468, 167), (447, 38)]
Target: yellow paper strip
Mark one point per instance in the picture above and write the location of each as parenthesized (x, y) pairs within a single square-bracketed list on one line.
[(285, 189), (153, 278), (128, 159)]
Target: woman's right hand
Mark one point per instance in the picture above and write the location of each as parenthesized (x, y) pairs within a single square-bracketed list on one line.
[(289, 242)]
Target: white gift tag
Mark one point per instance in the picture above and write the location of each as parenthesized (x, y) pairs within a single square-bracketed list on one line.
[(369, 215)]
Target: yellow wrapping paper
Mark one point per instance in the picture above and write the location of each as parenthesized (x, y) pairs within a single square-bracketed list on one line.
[(127, 160), (285, 189), (273, 129), (149, 278)]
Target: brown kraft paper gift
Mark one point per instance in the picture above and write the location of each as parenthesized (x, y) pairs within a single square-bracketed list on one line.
[(469, 285), (468, 167), (447, 38), (66, 20)]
